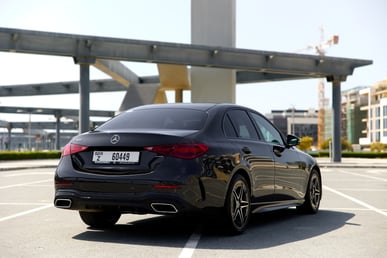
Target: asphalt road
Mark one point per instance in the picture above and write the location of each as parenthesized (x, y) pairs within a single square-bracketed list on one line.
[(352, 222)]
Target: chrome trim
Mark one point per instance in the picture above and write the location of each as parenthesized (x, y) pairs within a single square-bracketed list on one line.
[(158, 207)]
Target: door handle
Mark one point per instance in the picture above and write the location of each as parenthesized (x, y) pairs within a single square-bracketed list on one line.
[(278, 151), (246, 150)]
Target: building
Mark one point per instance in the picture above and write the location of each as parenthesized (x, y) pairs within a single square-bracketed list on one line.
[(363, 117), (298, 122), (375, 109), (352, 115)]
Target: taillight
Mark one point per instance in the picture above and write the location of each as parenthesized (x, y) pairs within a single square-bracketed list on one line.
[(71, 148), (182, 151)]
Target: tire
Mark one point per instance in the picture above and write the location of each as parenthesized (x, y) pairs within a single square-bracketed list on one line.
[(312, 195), (103, 219), (237, 205)]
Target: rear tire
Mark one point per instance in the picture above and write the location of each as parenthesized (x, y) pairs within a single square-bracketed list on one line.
[(312, 195), (237, 205), (102, 219)]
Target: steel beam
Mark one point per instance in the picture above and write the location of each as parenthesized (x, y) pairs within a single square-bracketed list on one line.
[(118, 71), (53, 111), (254, 77), (70, 87), (173, 77), (59, 44), (43, 125), (109, 85), (137, 95)]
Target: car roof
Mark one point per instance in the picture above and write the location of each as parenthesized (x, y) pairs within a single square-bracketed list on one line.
[(197, 106)]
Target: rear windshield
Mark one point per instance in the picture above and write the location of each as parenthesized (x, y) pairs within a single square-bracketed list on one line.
[(180, 119)]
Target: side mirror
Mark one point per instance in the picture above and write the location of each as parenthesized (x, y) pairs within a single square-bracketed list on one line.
[(292, 140)]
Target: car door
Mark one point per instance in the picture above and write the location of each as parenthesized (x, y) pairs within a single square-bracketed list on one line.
[(289, 170), (255, 153)]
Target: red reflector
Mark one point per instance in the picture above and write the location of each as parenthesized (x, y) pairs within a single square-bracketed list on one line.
[(71, 148), (63, 183), (166, 186), (182, 151)]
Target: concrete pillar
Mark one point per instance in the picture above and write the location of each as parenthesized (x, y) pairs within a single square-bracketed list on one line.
[(336, 107), (178, 95), (84, 92), (9, 128), (213, 23), (57, 128)]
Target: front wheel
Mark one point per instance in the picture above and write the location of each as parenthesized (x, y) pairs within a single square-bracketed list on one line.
[(238, 205), (102, 219), (312, 195)]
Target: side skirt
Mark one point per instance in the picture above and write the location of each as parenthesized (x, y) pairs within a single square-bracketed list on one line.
[(270, 206)]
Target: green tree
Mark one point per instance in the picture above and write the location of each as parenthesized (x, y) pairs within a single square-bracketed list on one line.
[(345, 144), (377, 146), (306, 143)]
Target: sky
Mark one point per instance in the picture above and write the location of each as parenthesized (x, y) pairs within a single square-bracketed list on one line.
[(273, 25)]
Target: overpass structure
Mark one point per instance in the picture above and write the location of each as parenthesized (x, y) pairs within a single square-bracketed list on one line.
[(105, 54), (57, 113)]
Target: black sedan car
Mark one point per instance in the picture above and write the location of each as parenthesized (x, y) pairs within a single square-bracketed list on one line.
[(185, 158)]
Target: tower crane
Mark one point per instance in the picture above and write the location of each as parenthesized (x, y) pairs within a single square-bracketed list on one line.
[(320, 49)]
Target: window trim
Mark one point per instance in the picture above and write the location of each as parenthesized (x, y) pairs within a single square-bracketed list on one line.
[(262, 138), (227, 115)]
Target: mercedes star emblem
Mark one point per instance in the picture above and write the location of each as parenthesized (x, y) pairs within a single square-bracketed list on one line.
[(115, 139)]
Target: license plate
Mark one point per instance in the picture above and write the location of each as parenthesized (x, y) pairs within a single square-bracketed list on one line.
[(116, 157)]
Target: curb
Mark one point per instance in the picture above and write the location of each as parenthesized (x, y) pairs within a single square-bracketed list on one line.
[(352, 163), (351, 166), (26, 167)]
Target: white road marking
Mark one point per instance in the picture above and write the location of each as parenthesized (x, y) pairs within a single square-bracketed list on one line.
[(370, 207), (25, 184), (362, 175), (191, 244), (23, 203), (362, 190), (26, 212), (375, 171), (343, 209)]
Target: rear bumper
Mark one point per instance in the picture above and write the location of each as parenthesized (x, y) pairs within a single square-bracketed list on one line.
[(153, 203)]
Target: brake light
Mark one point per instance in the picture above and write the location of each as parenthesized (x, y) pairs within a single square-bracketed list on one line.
[(71, 148), (182, 151)]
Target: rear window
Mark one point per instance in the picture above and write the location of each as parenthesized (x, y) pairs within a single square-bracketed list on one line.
[(180, 119)]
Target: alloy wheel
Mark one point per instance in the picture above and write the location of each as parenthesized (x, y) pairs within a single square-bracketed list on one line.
[(239, 204), (315, 191)]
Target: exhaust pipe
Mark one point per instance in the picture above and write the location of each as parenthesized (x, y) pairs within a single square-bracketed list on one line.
[(63, 203), (164, 208)]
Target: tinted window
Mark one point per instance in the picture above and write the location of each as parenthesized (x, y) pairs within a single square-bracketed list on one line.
[(228, 128), (186, 119), (268, 131), (242, 124)]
